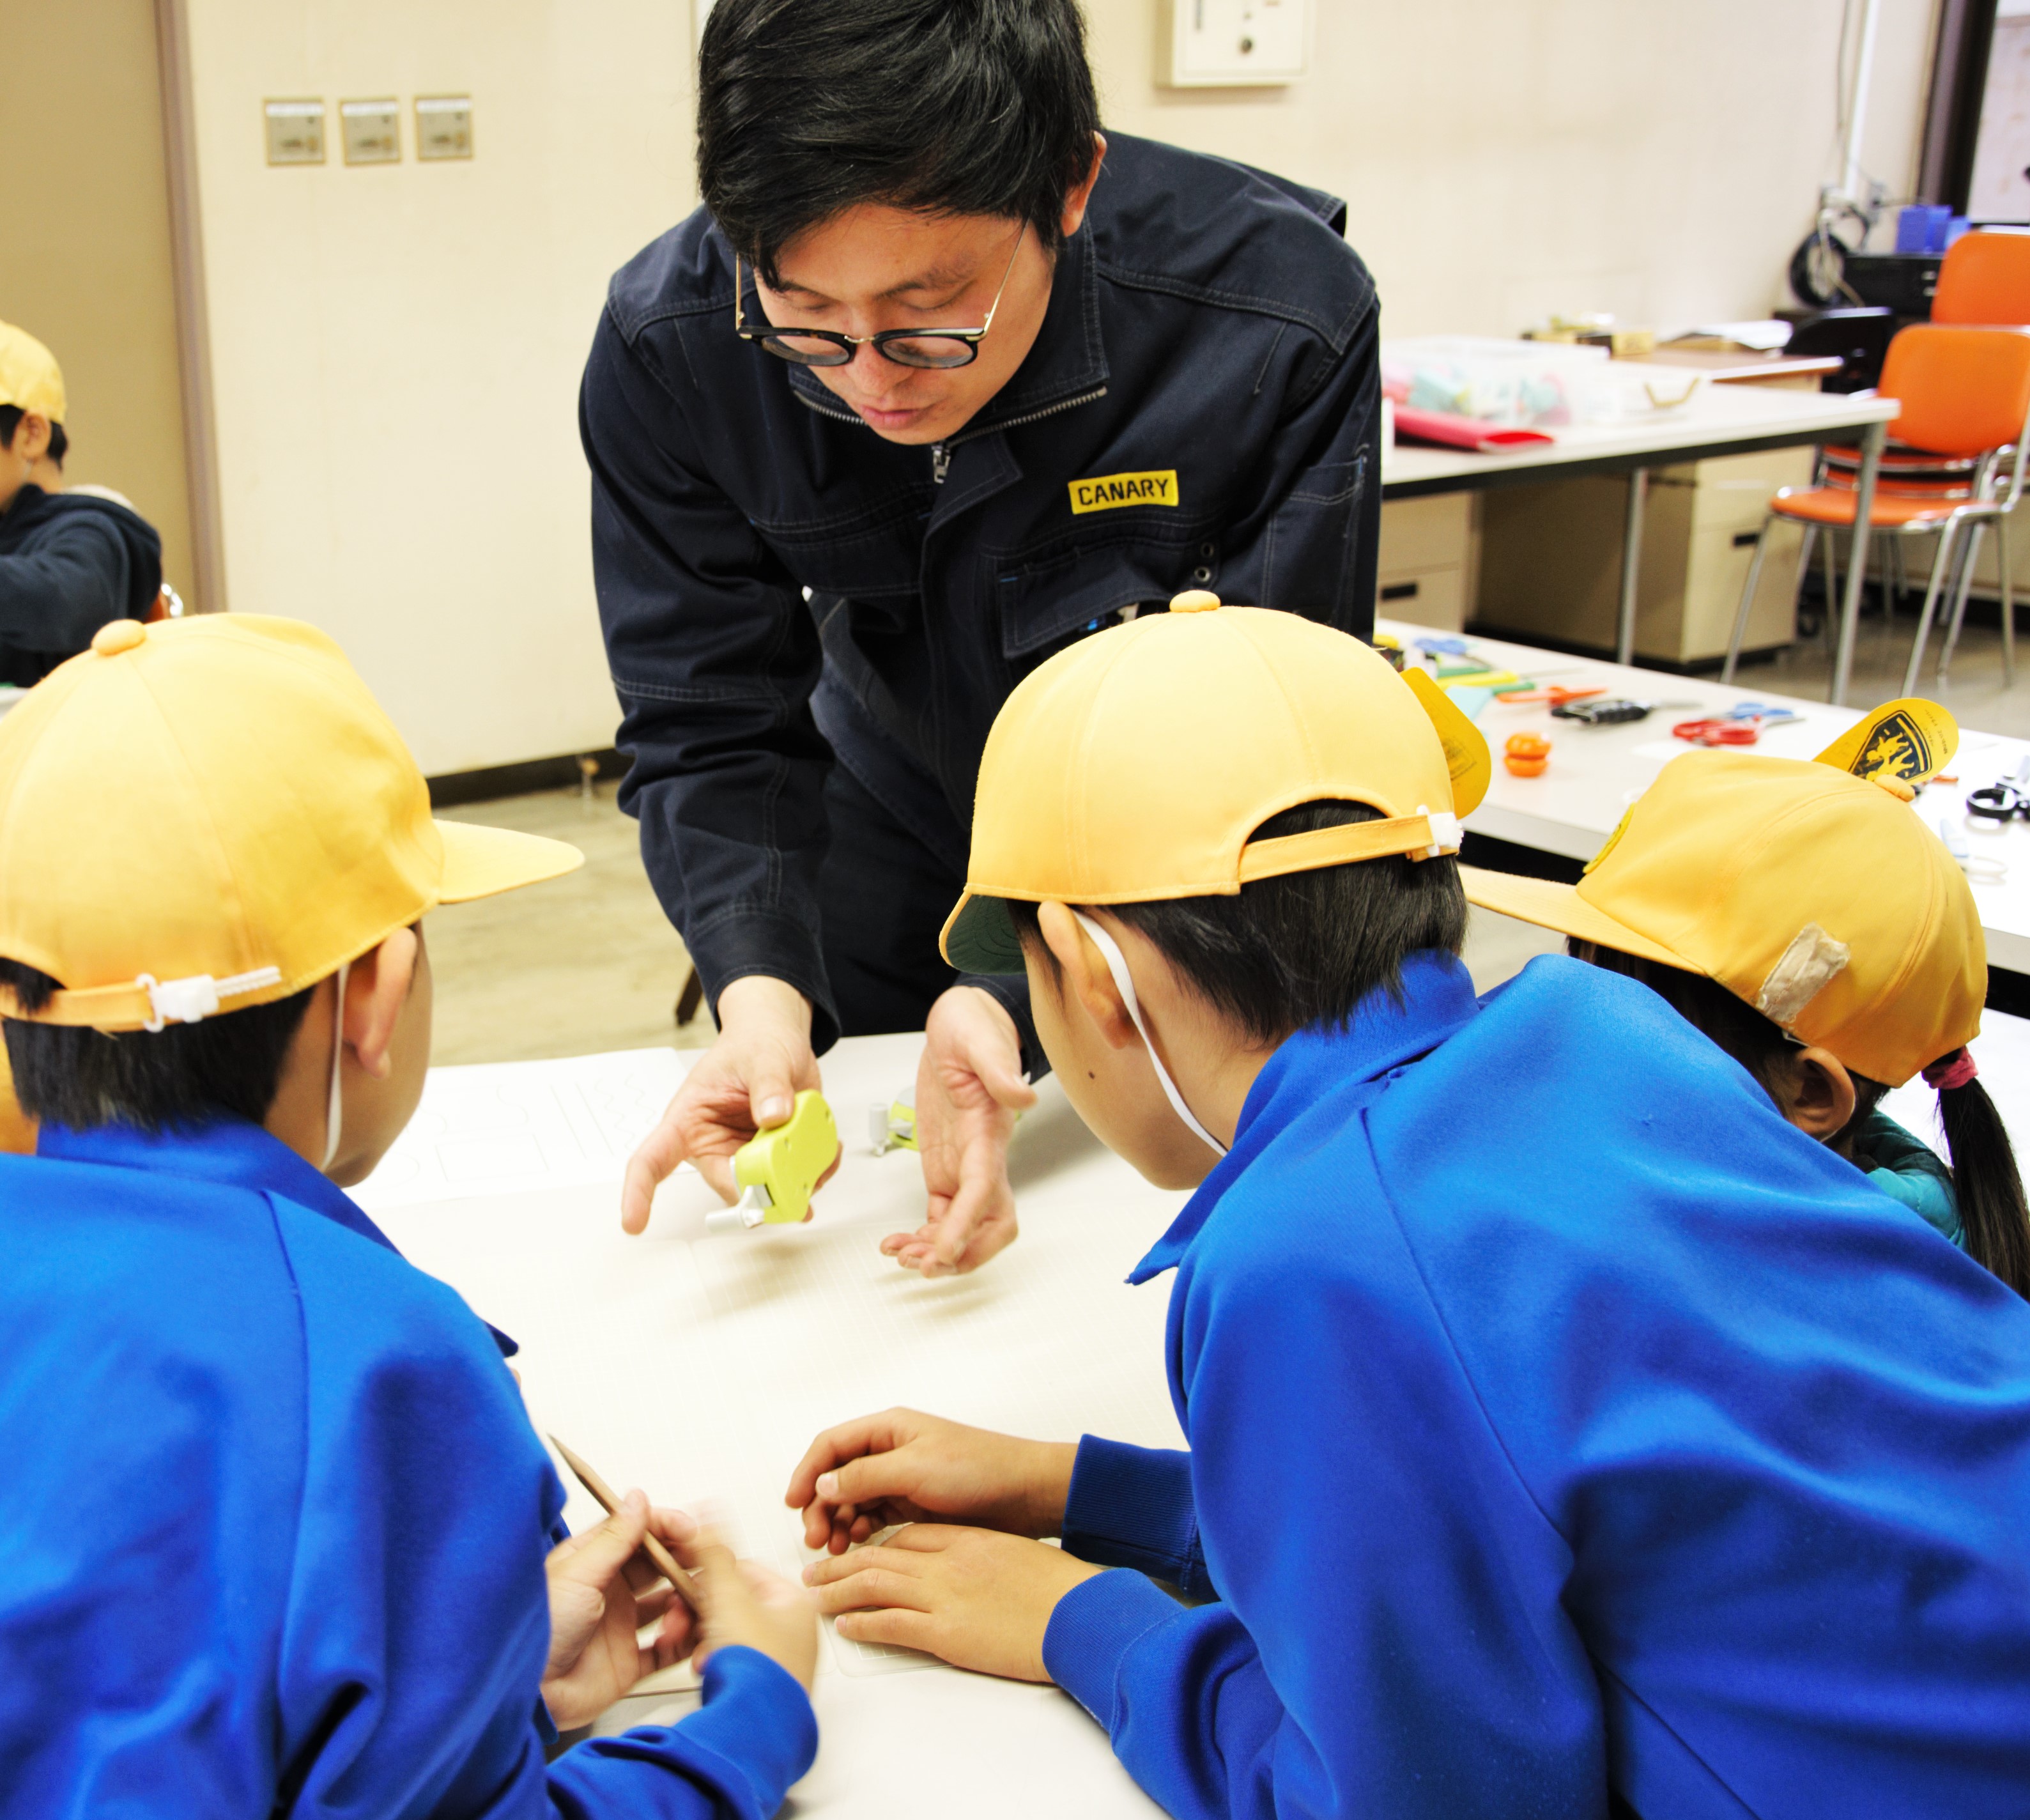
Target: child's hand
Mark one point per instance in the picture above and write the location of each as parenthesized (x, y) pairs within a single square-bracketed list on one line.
[(979, 1599), (602, 1591), (745, 1604), (902, 1467)]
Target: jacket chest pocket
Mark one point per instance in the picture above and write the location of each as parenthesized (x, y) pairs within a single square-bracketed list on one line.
[(1051, 597), (864, 557)]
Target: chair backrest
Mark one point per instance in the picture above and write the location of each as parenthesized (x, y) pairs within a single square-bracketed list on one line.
[(1963, 391), (1986, 279)]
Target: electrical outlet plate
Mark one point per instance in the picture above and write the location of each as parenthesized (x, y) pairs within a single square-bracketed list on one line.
[(443, 126), (1236, 43), (372, 131), (295, 130)]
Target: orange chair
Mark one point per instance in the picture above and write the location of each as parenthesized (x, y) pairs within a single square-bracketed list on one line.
[(1965, 395), (1985, 281)]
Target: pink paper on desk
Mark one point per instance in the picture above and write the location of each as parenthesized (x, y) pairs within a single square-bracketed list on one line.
[(1450, 432)]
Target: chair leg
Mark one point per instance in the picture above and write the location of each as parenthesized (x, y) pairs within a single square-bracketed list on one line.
[(1832, 586), (1747, 601), (1892, 603), (2008, 602), (1809, 534), (1940, 563), (1967, 554)]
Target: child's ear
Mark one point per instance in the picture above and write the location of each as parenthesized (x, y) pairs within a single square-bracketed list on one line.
[(1822, 1096), (376, 990), (1087, 978)]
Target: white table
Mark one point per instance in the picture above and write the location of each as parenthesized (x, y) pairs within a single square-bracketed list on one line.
[(699, 1369), (1717, 420), (1595, 772)]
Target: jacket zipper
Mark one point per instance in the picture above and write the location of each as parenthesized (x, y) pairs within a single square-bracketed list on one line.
[(941, 452)]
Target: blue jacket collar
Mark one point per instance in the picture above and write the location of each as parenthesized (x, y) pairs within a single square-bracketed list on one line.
[(1382, 1035), (228, 1151)]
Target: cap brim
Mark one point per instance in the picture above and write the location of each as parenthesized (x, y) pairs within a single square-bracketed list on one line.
[(980, 937), (1551, 905), (480, 861)]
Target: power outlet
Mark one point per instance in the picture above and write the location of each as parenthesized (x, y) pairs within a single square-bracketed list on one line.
[(1235, 43)]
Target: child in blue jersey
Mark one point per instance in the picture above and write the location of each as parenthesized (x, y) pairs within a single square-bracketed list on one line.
[(1569, 1433), (1700, 894), (279, 1536)]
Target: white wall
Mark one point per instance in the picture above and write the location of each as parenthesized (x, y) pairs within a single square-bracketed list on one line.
[(397, 348), (1505, 158)]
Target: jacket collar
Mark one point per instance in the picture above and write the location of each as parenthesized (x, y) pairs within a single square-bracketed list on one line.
[(1068, 356), (228, 1151), (1381, 1035)]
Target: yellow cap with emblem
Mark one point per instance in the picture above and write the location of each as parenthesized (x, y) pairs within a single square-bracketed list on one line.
[(1808, 889), (209, 813), (30, 379), (1136, 766)]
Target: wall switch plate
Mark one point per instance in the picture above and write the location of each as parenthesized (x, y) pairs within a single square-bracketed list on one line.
[(1235, 43), (443, 126), (372, 131), (296, 131)]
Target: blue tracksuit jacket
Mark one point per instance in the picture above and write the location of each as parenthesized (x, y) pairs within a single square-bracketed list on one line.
[(274, 1521), (1565, 1428)]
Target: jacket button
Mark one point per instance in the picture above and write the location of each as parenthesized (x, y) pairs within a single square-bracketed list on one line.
[(1202, 575), (1208, 551)]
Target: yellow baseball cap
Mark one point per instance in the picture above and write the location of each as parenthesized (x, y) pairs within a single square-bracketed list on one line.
[(1807, 889), (30, 377), (1135, 766), (208, 813)]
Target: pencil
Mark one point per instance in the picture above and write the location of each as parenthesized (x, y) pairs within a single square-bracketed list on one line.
[(666, 1563)]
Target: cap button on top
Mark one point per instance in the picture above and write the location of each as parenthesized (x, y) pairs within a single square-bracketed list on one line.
[(1194, 600), (120, 636)]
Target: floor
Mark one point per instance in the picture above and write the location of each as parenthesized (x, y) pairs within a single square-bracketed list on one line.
[(1975, 692), (589, 962), (583, 964)]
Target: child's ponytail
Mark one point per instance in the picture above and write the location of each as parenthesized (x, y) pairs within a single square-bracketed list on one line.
[(1985, 1179)]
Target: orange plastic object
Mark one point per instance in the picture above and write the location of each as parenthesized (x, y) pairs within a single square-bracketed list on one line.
[(1985, 278), (1526, 754), (1556, 694)]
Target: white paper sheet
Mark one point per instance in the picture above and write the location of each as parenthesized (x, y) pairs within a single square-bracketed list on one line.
[(500, 1128)]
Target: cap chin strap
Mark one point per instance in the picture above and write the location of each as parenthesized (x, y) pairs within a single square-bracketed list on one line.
[(334, 1117), (1117, 964)]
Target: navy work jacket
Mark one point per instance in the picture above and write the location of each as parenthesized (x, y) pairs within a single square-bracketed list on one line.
[(1199, 410)]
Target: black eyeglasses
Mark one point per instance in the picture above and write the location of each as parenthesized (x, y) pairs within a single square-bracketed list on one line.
[(932, 348)]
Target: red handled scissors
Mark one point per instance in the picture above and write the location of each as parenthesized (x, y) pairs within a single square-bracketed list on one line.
[(1717, 732)]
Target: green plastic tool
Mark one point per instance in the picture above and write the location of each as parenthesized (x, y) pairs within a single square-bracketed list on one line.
[(778, 1168)]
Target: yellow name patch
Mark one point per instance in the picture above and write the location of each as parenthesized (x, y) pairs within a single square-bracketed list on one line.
[(1105, 492)]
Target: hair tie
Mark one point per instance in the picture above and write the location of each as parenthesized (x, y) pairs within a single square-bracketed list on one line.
[(1950, 1071)]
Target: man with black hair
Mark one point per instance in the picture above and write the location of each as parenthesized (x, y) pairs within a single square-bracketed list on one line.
[(68, 561), (936, 382)]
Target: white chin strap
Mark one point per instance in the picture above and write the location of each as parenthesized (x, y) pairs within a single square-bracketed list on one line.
[(1117, 964), (334, 1119)]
